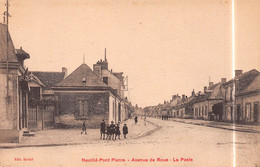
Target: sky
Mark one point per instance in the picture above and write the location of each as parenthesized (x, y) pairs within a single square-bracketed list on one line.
[(164, 47)]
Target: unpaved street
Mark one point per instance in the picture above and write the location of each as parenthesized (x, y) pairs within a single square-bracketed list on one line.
[(191, 145)]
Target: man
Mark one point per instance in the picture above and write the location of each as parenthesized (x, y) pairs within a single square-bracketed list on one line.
[(102, 129), (136, 119), (84, 127), (125, 130)]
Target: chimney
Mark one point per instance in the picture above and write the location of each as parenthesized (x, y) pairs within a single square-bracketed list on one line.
[(193, 93), (97, 69), (238, 73), (205, 89), (223, 80), (65, 70), (210, 84), (183, 96)]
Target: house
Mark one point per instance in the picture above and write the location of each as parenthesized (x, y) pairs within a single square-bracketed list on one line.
[(41, 97), (184, 108), (83, 95), (207, 103), (247, 102), (241, 105), (14, 89)]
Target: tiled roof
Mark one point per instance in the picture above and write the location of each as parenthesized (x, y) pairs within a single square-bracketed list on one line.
[(49, 79), (244, 80), (3, 45), (83, 72), (253, 86)]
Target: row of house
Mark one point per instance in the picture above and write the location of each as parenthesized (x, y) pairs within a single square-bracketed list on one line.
[(33, 100), (234, 100)]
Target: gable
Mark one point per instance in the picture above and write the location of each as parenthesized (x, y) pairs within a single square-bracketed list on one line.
[(82, 73)]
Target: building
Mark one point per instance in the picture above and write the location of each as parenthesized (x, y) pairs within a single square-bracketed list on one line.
[(184, 108), (41, 97), (238, 105), (14, 89), (207, 102), (83, 95)]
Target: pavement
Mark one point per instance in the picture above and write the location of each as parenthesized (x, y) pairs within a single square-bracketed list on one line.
[(220, 125), (61, 137)]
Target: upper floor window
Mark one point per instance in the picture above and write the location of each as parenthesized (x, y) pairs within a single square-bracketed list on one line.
[(105, 80)]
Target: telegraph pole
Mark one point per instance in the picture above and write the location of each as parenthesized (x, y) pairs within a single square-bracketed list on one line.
[(6, 14)]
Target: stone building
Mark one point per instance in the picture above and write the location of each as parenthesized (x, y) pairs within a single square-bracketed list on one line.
[(207, 102), (14, 89), (84, 96), (243, 104), (41, 97)]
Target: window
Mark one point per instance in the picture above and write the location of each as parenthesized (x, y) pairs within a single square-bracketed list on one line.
[(231, 94), (105, 80), (248, 110), (84, 80), (206, 110), (83, 107)]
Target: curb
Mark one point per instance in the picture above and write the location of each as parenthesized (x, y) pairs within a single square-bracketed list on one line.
[(157, 127), (219, 127)]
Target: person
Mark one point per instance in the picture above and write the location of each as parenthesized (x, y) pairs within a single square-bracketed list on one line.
[(102, 129), (84, 128), (136, 119), (112, 130), (117, 132), (125, 130), (108, 132)]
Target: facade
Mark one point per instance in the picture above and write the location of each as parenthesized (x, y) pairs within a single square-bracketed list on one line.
[(41, 97), (205, 106), (14, 89), (242, 105), (184, 109), (83, 95)]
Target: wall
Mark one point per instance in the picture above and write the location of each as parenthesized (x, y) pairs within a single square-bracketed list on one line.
[(68, 109)]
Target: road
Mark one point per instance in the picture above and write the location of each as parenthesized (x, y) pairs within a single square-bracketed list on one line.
[(191, 145)]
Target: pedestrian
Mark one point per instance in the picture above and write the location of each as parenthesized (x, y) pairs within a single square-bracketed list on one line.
[(102, 129), (108, 132), (162, 117), (144, 121), (136, 119), (112, 129), (117, 132), (125, 130), (84, 128)]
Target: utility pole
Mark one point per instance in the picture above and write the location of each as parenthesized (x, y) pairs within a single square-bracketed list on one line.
[(6, 14)]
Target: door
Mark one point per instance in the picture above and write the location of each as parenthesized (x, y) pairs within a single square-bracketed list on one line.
[(256, 112), (238, 113)]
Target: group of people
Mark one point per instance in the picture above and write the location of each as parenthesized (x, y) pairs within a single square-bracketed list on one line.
[(165, 117), (109, 132), (112, 131)]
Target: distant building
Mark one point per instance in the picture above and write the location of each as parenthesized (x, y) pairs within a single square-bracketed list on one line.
[(207, 102)]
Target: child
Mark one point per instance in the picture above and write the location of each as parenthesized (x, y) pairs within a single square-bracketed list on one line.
[(125, 130), (112, 129), (108, 132), (117, 131), (84, 128)]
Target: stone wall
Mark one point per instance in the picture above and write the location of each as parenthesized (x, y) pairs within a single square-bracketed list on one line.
[(68, 109)]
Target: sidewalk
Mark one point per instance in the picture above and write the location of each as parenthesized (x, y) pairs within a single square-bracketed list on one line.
[(221, 125), (60, 137)]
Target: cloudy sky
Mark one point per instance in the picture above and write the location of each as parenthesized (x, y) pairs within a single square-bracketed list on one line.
[(164, 47)]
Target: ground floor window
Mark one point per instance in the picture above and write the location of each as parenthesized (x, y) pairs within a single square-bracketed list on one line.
[(83, 107), (248, 110)]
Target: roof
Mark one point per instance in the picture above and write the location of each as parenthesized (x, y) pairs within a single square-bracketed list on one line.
[(21, 53), (83, 72), (243, 80), (254, 86), (3, 45), (49, 79)]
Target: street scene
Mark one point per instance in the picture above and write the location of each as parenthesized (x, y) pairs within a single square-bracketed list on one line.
[(109, 83)]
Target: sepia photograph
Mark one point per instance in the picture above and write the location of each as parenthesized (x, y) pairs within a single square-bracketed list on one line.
[(130, 83)]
